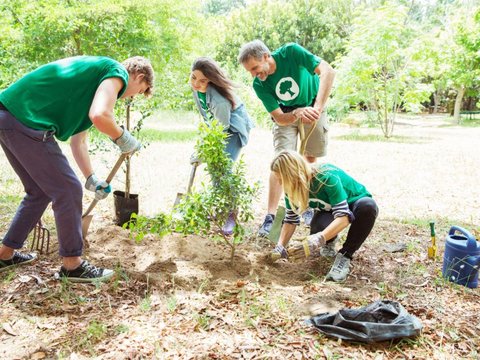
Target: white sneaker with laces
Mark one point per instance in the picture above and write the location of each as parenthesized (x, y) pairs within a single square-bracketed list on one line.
[(328, 250), (340, 269)]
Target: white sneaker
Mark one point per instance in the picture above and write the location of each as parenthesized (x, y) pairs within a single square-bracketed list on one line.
[(328, 250), (340, 269)]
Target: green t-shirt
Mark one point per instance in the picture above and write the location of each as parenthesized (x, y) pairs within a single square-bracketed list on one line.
[(57, 96), (331, 186), (294, 82), (202, 97)]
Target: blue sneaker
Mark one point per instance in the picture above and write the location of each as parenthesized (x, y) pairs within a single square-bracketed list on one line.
[(340, 269), (307, 217), (278, 253), (266, 226), (229, 225)]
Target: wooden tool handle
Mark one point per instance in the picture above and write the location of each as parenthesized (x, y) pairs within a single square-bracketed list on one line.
[(108, 180), (304, 137), (192, 176)]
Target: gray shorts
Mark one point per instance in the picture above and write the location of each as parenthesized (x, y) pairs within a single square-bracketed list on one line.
[(286, 137)]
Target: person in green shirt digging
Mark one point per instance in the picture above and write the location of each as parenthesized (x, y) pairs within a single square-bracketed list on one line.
[(338, 201), (62, 100), (294, 86)]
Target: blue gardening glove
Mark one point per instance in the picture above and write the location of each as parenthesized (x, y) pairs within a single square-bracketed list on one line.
[(127, 143), (100, 187)]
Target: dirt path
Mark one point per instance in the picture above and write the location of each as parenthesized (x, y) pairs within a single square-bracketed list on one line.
[(433, 174)]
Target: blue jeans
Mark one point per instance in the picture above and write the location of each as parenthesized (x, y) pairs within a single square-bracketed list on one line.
[(234, 145), (47, 177)]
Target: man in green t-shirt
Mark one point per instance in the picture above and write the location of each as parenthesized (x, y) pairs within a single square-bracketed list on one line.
[(62, 100), (294, 86)]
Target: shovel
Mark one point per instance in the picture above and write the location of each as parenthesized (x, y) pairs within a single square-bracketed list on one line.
[(190, 183), (86, 217)]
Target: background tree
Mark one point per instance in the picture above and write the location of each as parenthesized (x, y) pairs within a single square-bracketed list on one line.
[(165, 31), (463, 74), (433, 62), (379, 70), (12, 61), (319, 26), (401, 47), (222, 7)]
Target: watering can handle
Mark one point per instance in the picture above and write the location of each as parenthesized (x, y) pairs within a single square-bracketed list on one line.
[(461, 230), (471, 241)]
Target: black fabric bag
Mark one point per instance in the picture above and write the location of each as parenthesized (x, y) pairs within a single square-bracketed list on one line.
[(379, 321)]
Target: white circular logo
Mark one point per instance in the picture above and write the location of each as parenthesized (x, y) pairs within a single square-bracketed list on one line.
[(287, 89)]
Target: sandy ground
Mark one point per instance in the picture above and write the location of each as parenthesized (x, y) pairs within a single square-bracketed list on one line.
[(434, 175)]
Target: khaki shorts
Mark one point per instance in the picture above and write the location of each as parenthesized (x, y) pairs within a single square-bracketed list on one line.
[(286, 137)]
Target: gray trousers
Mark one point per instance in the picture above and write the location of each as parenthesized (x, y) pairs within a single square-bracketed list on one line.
[(47, 177)]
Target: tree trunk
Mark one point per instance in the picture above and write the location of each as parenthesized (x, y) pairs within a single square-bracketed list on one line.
[(458, 104), (436, 101)]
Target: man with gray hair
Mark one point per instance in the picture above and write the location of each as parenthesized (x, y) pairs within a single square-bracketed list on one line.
[(294, 86)]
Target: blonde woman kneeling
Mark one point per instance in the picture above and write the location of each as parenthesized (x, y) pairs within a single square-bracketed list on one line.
[(338, 201)]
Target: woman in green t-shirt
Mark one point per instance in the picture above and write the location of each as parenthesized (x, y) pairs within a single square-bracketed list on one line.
[(215, 99), (338, 201)]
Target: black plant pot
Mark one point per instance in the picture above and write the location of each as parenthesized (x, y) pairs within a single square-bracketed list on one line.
[(124, 207)]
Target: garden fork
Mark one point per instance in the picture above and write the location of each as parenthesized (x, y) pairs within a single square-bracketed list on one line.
[(41, 237)]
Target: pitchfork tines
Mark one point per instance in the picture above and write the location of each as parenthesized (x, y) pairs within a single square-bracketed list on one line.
[(41, 238)]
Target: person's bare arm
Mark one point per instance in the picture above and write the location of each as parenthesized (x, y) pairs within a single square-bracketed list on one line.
[(335, 227), (282, 118), (101, 110), (326, 73), (286, 234), (79, 147)]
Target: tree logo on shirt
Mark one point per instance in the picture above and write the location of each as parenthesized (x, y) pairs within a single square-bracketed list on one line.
[(287, 89)]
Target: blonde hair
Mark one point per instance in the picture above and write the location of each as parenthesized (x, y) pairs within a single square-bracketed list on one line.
[(295, 174), (141, 65)]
